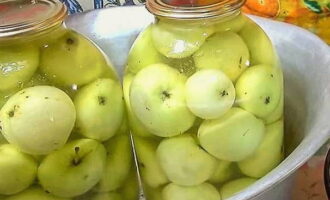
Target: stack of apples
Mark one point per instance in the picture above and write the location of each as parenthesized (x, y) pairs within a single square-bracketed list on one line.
[(62, 122), (205, 104)]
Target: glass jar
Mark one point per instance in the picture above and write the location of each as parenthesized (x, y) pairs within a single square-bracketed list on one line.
[(204, 94), (62, 119)]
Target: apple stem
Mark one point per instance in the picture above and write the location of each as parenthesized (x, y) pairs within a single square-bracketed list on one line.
[(76, 159)]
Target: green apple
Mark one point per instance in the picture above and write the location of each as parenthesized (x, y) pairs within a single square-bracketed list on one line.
[(209, 93), (232, 23), (277, 113), (72, 60), (158, 100), (185, 66), (130, 191), (17, 170), (34, 193), (119, 162), (46, 114), (184, 162), (259, 90), (231, 188), (107, 196), (17, 65), (268, 155), (143, 52), (224, 171), (260, 46), (149, 166), (100, 109), (204, 191), (225, 51), (178, 39), (136, 126), (232, 137), (74, 169)]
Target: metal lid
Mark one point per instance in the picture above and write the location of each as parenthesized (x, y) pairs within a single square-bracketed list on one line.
[(19, 17), (220, 8)]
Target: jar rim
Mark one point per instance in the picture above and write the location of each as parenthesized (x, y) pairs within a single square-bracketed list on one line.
[(221, 8), (25, 17)]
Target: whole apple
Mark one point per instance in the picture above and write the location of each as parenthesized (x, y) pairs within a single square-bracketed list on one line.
[(209, 93), (225, 51), (17, 65), (38, 119), (17, 170), (173, 41), (234, 24), (260, 46), (136, 126), (233, 137), (159, 101), (268, 155), (72, 60), (74, 169), (259, 90), (118, 164), (149, 166), (184, 162), (143, 46), (100, 109)]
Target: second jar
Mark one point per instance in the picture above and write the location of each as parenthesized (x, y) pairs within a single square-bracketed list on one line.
[(205, 102)]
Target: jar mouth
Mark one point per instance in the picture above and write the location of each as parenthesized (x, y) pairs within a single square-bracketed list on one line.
[(222, 8), (16, 20)]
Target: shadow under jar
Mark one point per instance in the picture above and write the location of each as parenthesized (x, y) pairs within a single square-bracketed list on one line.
[(204, 94), (63, 125)]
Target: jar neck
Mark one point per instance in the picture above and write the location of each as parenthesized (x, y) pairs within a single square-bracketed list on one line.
[(224, 8)]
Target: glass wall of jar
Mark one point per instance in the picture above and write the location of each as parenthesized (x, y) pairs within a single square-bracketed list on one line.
[(204, 94), (62, 120)]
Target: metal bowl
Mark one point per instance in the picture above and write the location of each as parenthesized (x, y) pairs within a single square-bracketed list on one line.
[(306, 65)]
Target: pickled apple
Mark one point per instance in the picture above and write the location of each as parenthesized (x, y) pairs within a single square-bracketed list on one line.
[(136, 126), (98, 104), (173, 41), (17, 65), (184, 162), (143, 46), (72, 60), (150, 169), (268, 155), (234, 24), (159, 101), (225, 51), (232, 137), (259, 90), (260, 46)]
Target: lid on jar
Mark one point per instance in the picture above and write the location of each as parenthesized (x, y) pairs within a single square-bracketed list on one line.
[(193, 9), (20, 17)]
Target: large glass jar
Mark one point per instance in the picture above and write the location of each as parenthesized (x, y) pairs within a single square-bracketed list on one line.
[(204, 94), (62, 120)]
